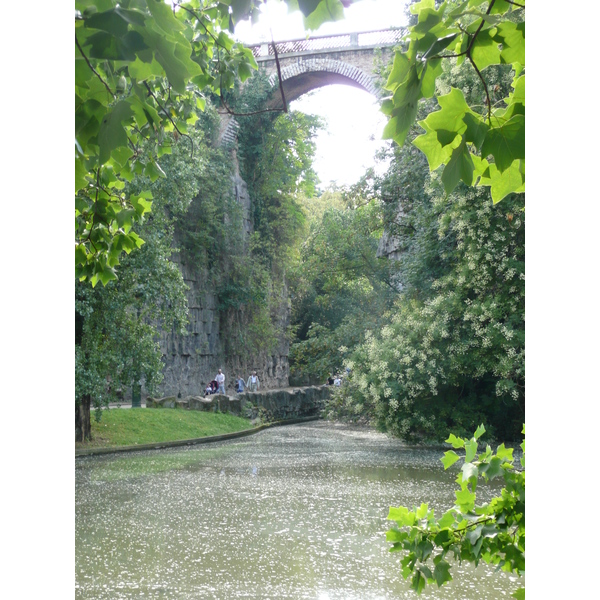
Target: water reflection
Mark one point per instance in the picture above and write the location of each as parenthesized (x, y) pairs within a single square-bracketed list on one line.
[(293, 512)]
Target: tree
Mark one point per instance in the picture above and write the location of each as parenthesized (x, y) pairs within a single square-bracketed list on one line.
[(341, 289), (480, 144), (493, 532), (142, 69), (116, 345)]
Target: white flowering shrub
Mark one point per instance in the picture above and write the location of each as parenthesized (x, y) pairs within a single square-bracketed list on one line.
[(453, 354)]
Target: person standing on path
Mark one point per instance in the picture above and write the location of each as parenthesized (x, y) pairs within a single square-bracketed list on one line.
[(253, 383), (240, 385), (220, 379)]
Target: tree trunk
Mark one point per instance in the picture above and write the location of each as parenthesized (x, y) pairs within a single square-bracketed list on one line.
[(83, 424)]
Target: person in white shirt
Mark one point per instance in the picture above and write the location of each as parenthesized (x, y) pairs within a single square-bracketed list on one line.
[(253, 383), (337, 381), (220, 379)]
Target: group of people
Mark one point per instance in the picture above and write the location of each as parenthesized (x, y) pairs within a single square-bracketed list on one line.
[(217, 385), (335, 379)]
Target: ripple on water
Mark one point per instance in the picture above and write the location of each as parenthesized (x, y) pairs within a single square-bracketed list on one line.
[(293, 512)]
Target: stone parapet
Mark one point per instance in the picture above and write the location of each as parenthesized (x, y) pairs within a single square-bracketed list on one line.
[(282, 404)]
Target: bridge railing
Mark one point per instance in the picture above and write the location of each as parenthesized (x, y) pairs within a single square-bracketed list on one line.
[(382, 37)]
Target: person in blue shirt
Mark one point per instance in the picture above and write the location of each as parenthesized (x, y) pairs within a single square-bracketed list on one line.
[(240, 385)]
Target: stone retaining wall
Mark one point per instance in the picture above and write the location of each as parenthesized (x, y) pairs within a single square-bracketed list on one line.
[(268, 404)]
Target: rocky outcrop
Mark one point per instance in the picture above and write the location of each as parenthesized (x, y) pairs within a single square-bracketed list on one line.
[(268, 405), (192, 360)]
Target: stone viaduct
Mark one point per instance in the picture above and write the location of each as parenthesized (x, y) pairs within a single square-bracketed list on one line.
[(311, 63)]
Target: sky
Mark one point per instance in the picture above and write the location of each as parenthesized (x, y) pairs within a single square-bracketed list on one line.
[(354, 122)]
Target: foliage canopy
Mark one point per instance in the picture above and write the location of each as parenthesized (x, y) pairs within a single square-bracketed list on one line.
[(143, 69), (493, 532), (481, 143)]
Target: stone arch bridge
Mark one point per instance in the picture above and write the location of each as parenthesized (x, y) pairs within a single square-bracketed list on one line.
[(308, 64)]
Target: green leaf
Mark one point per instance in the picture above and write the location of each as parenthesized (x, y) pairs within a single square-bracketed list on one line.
[(140, 205), (244, 71), (153, 170), (110, 21), (112, 133), (474, 535), (429, 144), (519, 594), (518, 96), (417, 7), (125, 218), (455, 441), (399, 72), (142, 71), (469, 470), (442, 537), (80, 175), (501, 6), (80, 255), (465, 500), (479, 432), (433, 69), (459, 167), (450, 457), (393, 535), (485, 50), (422, 511), (240, 9), (493, 468), (402, 516), (307, 6), (418, 582), (441, 573), (326, 10), (502, 184), (476, 129), (504, 453), (453, 109), (470, 450), (506, 143), (439, 45), (426, 571), (428, 19), (512, 36), (448, 519), (398, 126), (446, 137)]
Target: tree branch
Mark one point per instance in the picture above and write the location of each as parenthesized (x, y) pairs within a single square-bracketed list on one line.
[(279, 73), (89, 64), (169, 117)]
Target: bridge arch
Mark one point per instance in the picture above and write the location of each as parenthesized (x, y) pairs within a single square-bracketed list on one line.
[(310, 63), (310, 74), (304, 76)]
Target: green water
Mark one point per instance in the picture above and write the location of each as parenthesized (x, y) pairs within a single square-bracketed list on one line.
[(295, 512)]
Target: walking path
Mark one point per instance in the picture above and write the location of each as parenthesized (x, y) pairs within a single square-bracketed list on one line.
[(234, 395)]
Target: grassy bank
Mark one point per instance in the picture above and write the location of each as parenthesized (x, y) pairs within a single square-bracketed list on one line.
[(128, 427)]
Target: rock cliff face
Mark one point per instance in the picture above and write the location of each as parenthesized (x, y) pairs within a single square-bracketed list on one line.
[(192, 360)]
